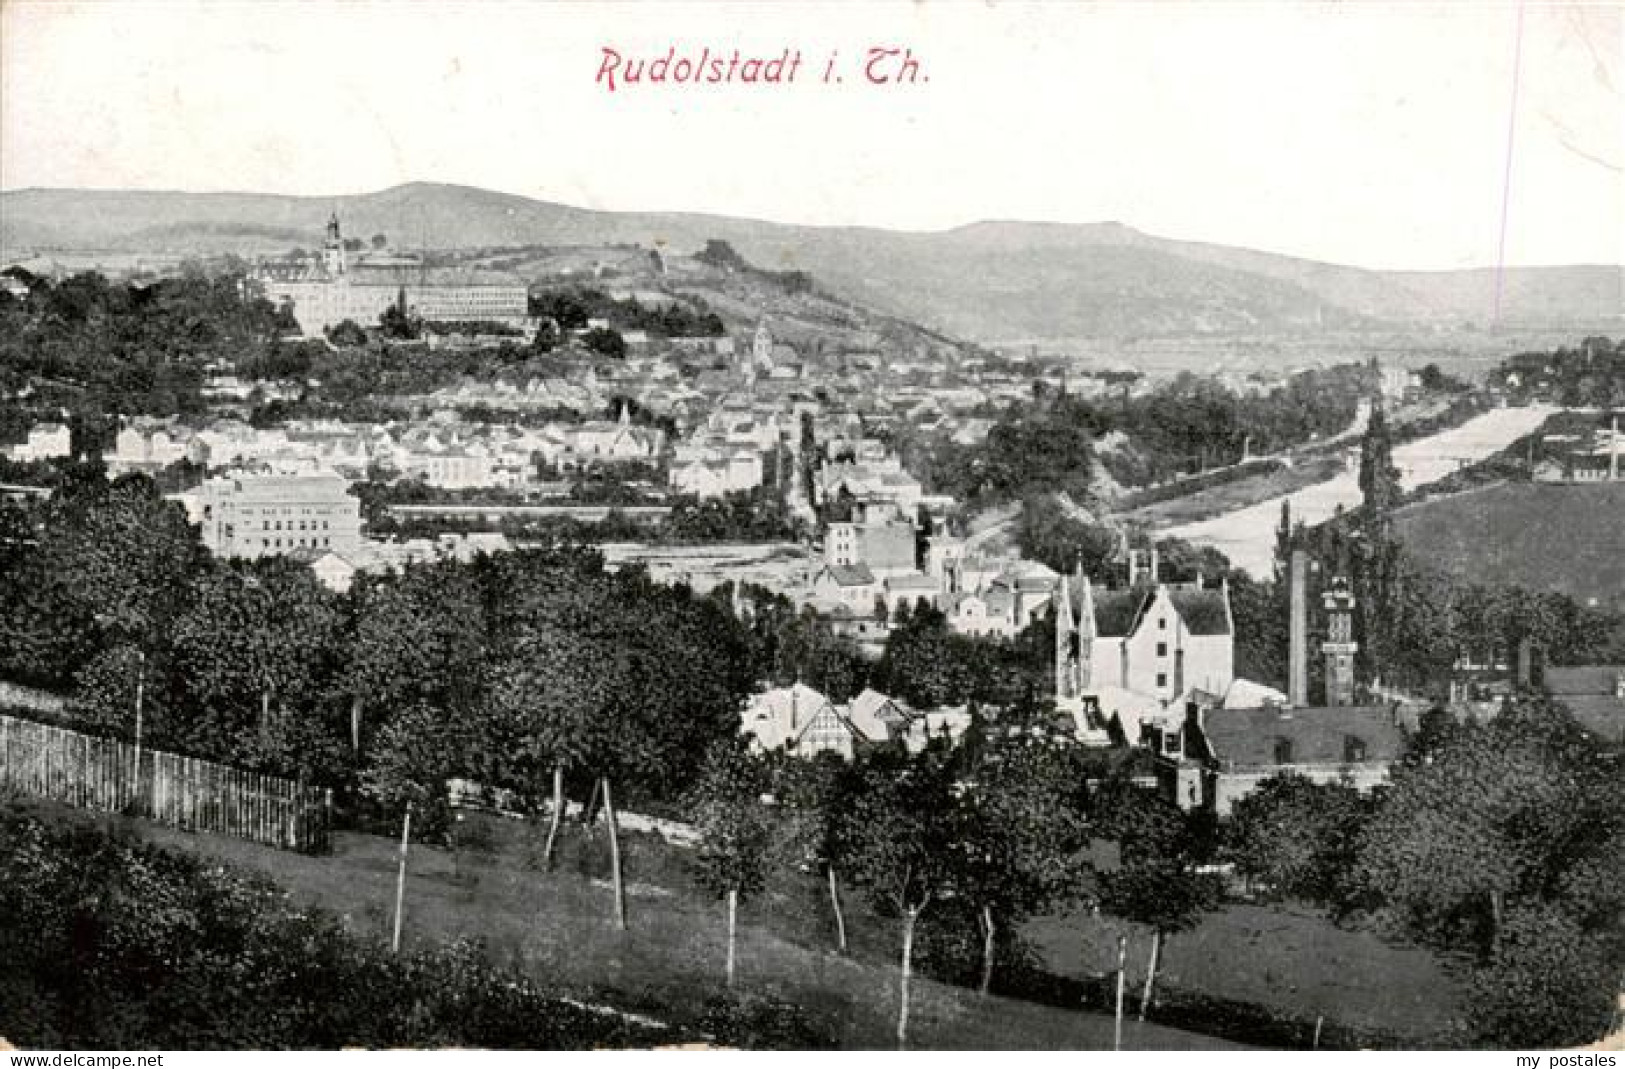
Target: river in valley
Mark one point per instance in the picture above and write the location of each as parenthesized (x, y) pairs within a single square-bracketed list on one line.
[(1247, 535)]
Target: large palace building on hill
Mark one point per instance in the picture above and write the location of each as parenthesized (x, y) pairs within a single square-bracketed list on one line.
[(325, 293)]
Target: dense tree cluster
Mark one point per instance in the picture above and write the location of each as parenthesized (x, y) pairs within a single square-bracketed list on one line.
[(255, 663), (721, 254), (1590, 375), (1499, 843), (1187, 424), (100, 348), (928, 665), (572, 307)]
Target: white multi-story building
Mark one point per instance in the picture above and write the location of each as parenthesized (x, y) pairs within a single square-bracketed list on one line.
[(46, 441), (714, 476), (253, 515), (149, 445), (324, 295)]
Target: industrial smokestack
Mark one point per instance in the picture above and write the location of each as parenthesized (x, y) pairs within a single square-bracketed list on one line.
[(1156, 566), (1613, 452), (1298, 651)]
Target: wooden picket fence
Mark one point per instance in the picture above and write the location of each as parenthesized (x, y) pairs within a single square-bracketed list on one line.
[(185, 792)]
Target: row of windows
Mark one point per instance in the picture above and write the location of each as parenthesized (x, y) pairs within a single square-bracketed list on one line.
[(276, 525), (292, 543), (1354, 750), (288, 511)]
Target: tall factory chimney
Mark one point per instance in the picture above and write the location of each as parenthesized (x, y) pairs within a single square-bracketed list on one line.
[(1298, 651), (1613, 453)]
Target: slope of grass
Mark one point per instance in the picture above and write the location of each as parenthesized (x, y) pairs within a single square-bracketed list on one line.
[(557, 928), (1544, 537), (1292, 962)]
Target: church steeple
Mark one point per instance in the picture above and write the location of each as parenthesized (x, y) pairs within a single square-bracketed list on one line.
[(333, 248), (1065, 630)]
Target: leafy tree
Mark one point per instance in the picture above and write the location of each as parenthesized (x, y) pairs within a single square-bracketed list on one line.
[(726, 808), (924, 663), (562, 702), (1298, 838), (616, 678), (252, 660), (898, 836), (414, 755), (1504, 841), (347, 334), (1046, 533), (1021, 825), (397, 322), (414, 637), (1550, 983), (719, 253), (1157, 883), (547, 337), (929, 666), (1377, 585), (110, 564), (1261, 629), (807, 651), (810, 795), (605, 342), (1501, 814), (107, 688)]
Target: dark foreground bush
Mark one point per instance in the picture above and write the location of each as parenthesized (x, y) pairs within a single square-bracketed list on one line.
[(111, 944), (759, 1022)]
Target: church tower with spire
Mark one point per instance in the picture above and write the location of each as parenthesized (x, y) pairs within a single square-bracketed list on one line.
[(761, 346), (1066, 636), (333, 248), (1074, 636)]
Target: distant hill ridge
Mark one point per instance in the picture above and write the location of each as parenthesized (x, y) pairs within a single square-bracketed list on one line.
[(989, 281)]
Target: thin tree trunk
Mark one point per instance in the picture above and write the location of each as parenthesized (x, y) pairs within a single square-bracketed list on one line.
[(265, 715), (733, 914), (909, 917), (615, 858), (1495, 920), (558, 814), (589, 812), (400, 880), (355, 724), (835, 903), (987, 949), (1122, 973), (1151, 971)]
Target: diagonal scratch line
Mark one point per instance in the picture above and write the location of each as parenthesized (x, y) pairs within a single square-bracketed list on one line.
[(1506, 175)]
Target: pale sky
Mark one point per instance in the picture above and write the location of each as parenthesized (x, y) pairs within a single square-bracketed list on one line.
[(1371, 134)]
